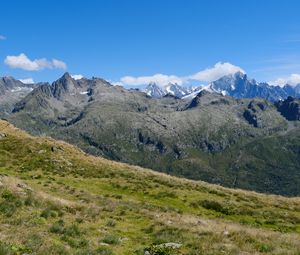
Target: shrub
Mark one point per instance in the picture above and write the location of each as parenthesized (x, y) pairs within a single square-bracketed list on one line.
[(215, 206), (168, 234), (29, 200), (163, 194), (8, 196), (57, 249), (104, 251), (111, 223), (117, 196), (10, 203), (8, 208), (149, 229), (79, 220), (48, 213), (110, 239), (52, 211), (75, 242), (5, 249), (72, 230), (35, 241), (57, 227), (161, 250), (265, 248), (20, 249)]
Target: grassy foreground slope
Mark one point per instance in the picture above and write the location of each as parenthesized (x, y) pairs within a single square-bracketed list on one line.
[(55, 199)]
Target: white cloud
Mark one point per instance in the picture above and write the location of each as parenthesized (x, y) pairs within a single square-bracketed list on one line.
[(159, 79), (27, 81), (217, 71), (58, 64), (116, 83), (207, 75), (2, 37), (77, 76), (23, 62), (292, 80)]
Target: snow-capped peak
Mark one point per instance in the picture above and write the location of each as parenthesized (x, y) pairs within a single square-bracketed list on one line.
[(236, 85), (174, 89)]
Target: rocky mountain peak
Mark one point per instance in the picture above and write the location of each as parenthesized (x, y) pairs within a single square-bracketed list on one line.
[(9, 84), (240, 75), (66, 76), (174, 89), (64, 85), (154, 90)]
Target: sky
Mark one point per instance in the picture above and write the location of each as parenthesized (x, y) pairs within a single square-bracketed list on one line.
[(133, 42)]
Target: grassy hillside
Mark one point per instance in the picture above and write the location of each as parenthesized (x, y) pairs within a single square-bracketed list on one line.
[(55, 199)]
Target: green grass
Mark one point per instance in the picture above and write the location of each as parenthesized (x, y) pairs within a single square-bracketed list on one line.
[(62, 201)]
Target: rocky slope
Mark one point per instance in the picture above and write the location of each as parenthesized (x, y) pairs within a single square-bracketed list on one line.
[(11, 92), (210, 137), (289, 108), (55, 199)]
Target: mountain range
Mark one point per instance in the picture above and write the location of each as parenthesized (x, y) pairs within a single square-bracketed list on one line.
[(176, 90), (249, 143), (236, 85)]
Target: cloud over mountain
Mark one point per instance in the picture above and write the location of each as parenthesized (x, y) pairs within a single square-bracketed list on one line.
[(23, 62), (159, 79), (292, 80), (77, 76), (207, 75), (27, 80), (217, 71)]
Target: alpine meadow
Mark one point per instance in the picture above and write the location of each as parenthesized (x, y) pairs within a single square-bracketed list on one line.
[(149, 127)]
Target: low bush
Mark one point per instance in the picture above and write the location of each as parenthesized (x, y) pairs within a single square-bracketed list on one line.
[(5, 249), (215, 206), (111, 239), (161, 250), (72, 230), (9, 204), (8, 208), (58, 227), (104, 251), (52, 211), (111, 223)]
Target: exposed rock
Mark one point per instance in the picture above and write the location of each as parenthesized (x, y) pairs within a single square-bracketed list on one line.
[(24, 187), (2, 135), (252, 117), (55, 149), (103, 244), (257, 106), (196, 100), (289, 108), (172, 245), (226, 233)]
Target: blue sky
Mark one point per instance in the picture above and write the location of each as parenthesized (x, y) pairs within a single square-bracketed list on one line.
[(140, 38)]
